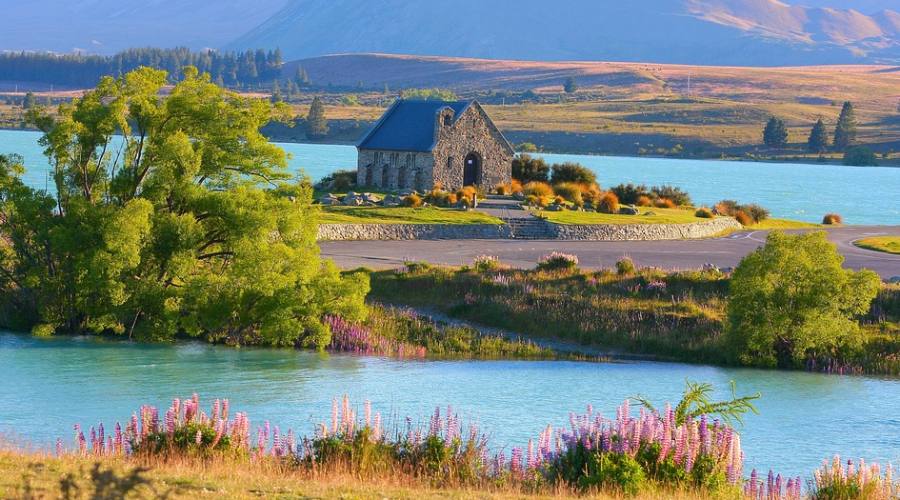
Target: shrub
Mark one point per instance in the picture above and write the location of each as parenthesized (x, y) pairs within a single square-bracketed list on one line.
[(467, 193), (643, 201), (440, 198), (526, 168), (630, 193), (664, 203), (558, 261), (540, 189), (559, 200), (340, 181), (743, 218), (413, 200), (679, 197), (486, 263), (609, 203), (591, 194), (572, 172), (502, 189), (727, 207), (532, 200), (704, 213), (832, 219), (570, 192), (625, 267), (756, 212), (860, 156), (792, 298)]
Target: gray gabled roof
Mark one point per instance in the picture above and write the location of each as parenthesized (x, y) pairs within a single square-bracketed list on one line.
[(409, 125)]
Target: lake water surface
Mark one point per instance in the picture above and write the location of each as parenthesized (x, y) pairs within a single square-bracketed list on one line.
[(48, 385), (862, 195)]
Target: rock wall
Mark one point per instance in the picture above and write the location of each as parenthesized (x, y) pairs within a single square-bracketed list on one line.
[(644, 232), (470, 133), (386, 232)]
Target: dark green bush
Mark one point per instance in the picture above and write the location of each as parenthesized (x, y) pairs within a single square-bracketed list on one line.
[(526, 168), (572, 172)]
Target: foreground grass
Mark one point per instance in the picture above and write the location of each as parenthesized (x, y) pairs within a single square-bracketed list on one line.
[(403, 215), (676, 316), (646, 216), (887, 244), (24, 475)]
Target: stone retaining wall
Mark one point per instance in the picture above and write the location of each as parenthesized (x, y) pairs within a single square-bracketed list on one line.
[(592, 232), (345, 232), (644, 232)]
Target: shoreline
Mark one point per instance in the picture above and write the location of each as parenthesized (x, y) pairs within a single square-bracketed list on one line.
[(893, 163)]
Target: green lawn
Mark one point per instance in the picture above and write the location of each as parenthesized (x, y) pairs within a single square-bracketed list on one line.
[(784, 224), (403, 215), (888, 244), (646, 216)]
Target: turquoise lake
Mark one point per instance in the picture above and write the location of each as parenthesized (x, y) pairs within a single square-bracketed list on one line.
[(48, 385), (862, 195)]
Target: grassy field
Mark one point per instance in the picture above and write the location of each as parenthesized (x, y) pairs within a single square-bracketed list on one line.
[(24, 475), (888, 244), (675, 316), (646, 216), (403, 215)]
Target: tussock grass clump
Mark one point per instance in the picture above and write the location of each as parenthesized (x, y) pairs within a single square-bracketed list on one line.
[(704, 213), (625, 267), (664, 203), (570, 192), (609, 203), (539, 189), (412, 201), (743, 218), (643, 201), (832, 220)]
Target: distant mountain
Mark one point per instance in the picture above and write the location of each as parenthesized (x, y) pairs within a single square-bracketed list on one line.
[(108, 26), (720, 32), (717, 32)]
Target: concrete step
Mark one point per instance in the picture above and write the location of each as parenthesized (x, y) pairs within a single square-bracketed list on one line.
[(529, 228)]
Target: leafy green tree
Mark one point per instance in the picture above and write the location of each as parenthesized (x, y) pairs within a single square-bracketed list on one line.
[(860, 156), (845, 130), (30, 101), (570, 86), (276, 92), (818, 138), (526, 168), (775, 134), (791, 300), (171, 215), (316, 123), (572, 172)]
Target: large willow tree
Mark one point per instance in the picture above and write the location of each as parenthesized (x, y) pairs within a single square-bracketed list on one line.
[(171, 215)]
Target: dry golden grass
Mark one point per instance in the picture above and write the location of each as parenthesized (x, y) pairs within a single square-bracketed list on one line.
[(40, 476)]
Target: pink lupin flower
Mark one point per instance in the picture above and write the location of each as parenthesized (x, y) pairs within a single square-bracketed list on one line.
[(334, 416), (59, 447), (368, 414)]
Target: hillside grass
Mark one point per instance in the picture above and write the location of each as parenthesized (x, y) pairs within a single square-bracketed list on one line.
[(403, 215), (886, 244), (646, 216)]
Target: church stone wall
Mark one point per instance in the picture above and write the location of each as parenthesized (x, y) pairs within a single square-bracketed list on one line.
[(470, 133)]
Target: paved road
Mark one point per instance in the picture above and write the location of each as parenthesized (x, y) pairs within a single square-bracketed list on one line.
[(691, 254)]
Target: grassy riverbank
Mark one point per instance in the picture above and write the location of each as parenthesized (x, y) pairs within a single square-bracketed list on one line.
[(677, 316), (42, 476), (887, 244)]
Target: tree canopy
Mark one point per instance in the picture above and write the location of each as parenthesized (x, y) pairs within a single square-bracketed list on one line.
[(572, 172), (845, 130), (818, 138), (316, 123), (526, 168), (775, 134), (171, 215), (791, 300)]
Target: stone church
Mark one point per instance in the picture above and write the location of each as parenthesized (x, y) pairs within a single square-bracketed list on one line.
[(417, 144)]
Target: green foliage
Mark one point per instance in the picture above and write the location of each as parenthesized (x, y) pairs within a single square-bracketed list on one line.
[(860, 156), (570, 86), (629, 194), (526, 168), (791, 300), (527, 147), (187, 223), (818, 138), (677, 195), (775, 134), (572, 172), (316, 123), (697, 401), (590, 469), (845, 130), (429, 95), (704, 213), (570, 192), (625, 267)]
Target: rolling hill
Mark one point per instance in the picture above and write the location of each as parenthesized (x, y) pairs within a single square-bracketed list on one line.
[(714, 32)]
